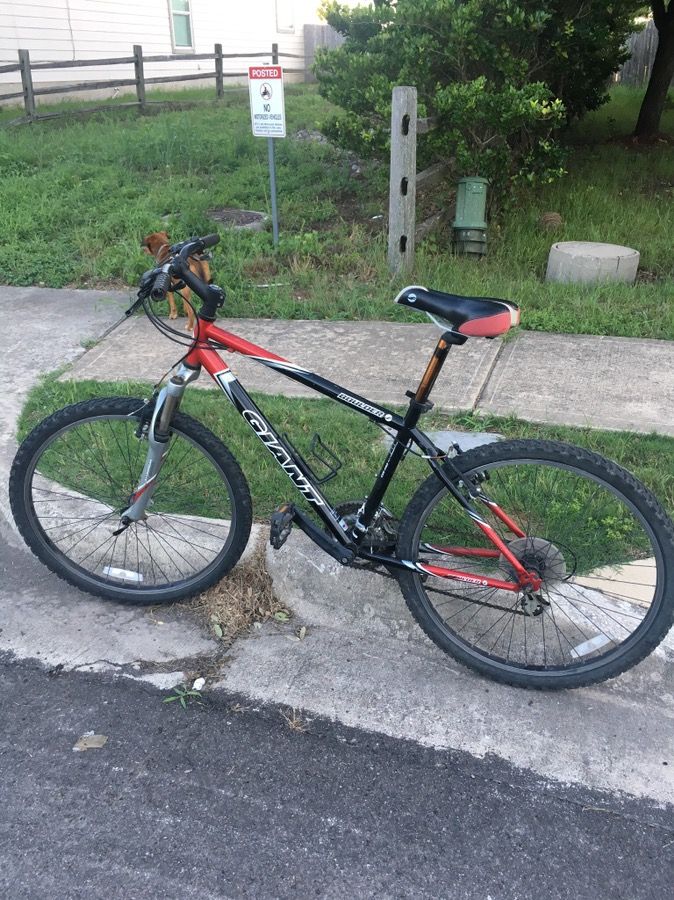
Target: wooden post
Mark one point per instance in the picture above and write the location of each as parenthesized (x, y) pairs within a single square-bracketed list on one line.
[(140, 75), (27, 84), (274, 54), (403, 176), (219, 84)]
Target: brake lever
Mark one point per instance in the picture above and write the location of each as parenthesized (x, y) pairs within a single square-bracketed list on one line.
[(174, 249)]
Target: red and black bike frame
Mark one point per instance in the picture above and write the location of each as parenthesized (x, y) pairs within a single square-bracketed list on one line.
[(347, 542)]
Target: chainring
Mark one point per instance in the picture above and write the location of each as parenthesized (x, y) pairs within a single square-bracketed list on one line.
[(381, 536)]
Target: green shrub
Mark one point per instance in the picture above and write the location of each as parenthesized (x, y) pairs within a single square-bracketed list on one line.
[(501, 76)]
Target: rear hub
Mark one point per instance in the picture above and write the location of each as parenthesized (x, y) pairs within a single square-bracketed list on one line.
[(542, 558)]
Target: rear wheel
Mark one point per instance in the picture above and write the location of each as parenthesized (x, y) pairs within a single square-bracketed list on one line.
[(74, 475), (600, 541)]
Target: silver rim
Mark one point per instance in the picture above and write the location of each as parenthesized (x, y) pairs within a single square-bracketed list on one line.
[(600, 560), (83, 477)]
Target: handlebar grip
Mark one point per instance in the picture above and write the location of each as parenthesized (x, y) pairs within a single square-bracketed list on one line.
[(161, 286), (210, 240)]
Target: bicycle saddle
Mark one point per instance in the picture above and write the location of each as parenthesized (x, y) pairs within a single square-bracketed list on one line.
[(470, 316)]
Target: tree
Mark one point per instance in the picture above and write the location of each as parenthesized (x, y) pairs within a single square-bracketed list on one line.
[(662, 73), (501, 76)]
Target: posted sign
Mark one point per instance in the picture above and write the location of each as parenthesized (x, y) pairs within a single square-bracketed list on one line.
[(267, 108)]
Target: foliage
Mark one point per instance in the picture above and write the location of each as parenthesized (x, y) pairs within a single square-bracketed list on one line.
[(500, 75)]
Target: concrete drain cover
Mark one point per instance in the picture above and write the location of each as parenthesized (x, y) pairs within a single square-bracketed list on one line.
[(243, 219)]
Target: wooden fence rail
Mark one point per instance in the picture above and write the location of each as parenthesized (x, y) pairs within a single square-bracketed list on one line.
[(404, 180), (30, 91)]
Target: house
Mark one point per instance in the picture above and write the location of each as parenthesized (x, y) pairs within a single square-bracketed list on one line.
[(64, 30)]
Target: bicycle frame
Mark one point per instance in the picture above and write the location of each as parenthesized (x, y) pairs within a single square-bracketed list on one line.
[(347, 541)]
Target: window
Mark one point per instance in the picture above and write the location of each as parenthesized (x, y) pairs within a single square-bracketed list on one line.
[(285, 16), (181, 24)]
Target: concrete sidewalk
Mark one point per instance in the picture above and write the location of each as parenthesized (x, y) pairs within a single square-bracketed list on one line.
[(602, 382)]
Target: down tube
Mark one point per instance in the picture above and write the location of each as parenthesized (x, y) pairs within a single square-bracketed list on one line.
[(284, 455)]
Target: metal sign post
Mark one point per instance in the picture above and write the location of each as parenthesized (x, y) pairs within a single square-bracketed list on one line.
[(268, 118)]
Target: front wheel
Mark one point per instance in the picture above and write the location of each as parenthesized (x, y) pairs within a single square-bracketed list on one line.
[(74, 475), (599, 540)]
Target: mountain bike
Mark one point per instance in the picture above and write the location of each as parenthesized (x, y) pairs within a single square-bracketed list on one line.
[(537, 563)]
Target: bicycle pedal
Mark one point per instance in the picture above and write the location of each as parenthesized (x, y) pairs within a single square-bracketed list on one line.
[(281, 524)]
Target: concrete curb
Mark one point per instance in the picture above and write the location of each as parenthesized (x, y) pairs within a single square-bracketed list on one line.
[(365, 662)]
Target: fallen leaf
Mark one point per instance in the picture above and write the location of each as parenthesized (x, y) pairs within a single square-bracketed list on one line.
[(90, 741), (217, 628), (302, 633), (198, 684)]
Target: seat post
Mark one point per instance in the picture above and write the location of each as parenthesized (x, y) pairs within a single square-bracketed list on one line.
[(435, 364)]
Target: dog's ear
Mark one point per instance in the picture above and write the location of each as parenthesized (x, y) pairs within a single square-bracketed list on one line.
[(164, 236), (145, 244)]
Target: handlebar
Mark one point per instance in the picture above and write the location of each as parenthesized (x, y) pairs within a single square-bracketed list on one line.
[(160, 286), (194, 245), (156, 283)]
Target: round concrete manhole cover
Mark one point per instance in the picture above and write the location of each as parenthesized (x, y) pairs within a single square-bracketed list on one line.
[(231, 217)]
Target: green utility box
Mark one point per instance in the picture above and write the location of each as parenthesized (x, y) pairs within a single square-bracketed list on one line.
[(470, 224)]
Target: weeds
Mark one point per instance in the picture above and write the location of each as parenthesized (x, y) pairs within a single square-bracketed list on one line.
[(354, 439), (242, 597), (294, 720), (184, 695)]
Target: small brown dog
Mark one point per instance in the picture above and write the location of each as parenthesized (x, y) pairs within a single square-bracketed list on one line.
[(157, 244)]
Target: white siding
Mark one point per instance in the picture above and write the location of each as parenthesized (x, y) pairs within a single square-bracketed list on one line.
[(56, 30)]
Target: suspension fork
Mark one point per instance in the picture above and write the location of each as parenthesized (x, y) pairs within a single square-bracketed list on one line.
[(158, 439)]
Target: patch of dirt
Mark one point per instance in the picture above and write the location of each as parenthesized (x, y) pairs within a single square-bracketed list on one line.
[(261, 267), (645, 276), (243, 597), (315, 137), (229, 215)]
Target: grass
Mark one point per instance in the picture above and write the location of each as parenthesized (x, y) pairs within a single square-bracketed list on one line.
[(356, 441), (78, 194)]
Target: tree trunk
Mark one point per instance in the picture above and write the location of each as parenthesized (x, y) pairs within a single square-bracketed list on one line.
[(648, 123)]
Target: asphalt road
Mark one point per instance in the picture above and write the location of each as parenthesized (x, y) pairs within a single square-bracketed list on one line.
[(224, 800)]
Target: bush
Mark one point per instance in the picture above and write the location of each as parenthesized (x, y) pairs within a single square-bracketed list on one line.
[(501, 76)]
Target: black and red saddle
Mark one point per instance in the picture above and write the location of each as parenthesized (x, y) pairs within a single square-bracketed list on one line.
[(468, 316)]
